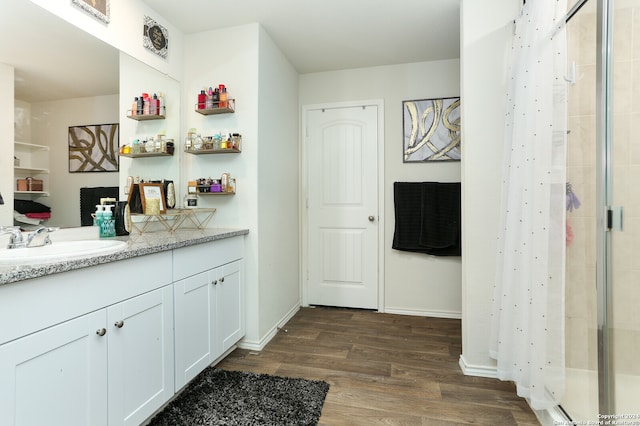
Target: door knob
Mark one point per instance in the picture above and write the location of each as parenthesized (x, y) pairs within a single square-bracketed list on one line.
[(119, 324), (372, 218), (101, 331)]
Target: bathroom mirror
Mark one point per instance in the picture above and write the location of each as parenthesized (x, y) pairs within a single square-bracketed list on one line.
[(65, 77)]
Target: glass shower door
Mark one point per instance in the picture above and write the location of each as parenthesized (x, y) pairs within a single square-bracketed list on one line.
[(581, 338)]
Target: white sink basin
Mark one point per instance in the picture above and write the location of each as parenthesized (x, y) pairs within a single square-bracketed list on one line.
[(60, 251)]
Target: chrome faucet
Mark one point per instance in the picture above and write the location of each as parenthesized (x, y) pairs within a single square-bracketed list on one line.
[(37, 238), (16, 239)]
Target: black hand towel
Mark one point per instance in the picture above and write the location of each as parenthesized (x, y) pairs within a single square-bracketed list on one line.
[(441, 217), (427, 218)]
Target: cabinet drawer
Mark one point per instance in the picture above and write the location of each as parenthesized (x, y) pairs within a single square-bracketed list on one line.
[(192, 260)]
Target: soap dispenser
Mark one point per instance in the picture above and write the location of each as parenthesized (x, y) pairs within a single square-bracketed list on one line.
[(98, 215), (107, 227)]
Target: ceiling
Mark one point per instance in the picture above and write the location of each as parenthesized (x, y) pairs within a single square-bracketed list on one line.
[(52, 59), (55, 60), (325, 35)]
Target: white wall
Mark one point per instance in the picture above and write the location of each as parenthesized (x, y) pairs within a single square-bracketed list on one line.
[(228, 57), (278, 173), (6, 142), (124, 30), (486, 43), (50, 123), (264, 86), (416, 284)]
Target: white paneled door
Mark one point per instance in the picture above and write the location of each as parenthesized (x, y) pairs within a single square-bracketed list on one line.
[(342, 203)]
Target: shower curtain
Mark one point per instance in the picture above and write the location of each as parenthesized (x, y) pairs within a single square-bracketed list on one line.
[(527, 323)]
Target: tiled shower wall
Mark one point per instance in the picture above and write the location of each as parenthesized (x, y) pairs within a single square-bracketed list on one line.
[(626, 187)]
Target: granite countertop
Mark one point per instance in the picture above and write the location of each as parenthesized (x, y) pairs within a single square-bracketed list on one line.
[(137, 245)]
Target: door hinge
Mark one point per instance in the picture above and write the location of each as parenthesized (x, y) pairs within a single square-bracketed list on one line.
[(615, 215)]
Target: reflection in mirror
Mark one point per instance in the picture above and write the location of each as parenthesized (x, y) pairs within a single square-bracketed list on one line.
[(63, 77)]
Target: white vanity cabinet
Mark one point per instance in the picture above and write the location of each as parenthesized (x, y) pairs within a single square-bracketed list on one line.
[(140, 356), (92, 346), (57, 376), (108, 345), (209, 305)]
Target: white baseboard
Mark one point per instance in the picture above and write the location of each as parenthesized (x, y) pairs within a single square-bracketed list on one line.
[(259, 345), (433, 314), (552, 417), (478, 370)]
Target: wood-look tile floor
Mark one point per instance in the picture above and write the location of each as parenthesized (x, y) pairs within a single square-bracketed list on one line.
[(385, 369)]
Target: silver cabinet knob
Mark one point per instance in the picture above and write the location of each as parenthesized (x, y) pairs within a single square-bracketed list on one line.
[(214, 282), (222, 279), (372, 218), (119, 324), (101, 331)]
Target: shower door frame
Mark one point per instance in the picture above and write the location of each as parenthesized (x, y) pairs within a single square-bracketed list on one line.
[(604, 55)]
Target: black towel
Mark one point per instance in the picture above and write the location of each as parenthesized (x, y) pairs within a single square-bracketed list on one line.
[(29, 206), (427, 218), (90, 197)]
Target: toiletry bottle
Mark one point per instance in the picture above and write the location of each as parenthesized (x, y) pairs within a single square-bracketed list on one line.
[(146, 101), (160, 103), (134, 106), (97, 218), (223, 98), (153, 105), (225, 182), (216, 98), (140, 106), (209, 99), (107, 227), (202, 99)]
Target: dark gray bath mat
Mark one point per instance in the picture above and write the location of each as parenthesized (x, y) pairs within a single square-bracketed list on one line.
[(220, 397)]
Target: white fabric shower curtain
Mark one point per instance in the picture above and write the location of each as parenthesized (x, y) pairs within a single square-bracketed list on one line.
[(527, 329)]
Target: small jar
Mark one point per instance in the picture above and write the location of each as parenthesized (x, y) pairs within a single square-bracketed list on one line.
[(197, 142)]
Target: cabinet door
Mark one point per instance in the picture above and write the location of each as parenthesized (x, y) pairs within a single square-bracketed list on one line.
[(193, 326), (140, 353), (57, 376), (229, 296)]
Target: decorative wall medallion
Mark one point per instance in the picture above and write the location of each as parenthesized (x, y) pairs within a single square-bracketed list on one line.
[(155, 37)]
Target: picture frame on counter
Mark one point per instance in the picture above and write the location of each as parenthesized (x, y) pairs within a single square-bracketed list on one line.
[(152, 198)]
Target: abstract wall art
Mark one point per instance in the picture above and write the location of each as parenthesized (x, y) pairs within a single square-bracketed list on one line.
[(93, 148), (431, 130)]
